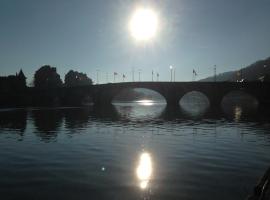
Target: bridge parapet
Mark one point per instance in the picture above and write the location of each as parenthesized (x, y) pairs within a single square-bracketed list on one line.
[(174, 91)]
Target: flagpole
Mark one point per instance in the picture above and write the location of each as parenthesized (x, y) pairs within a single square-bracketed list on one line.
[(215, 73), (194, 75), (139, 75), (171, 68)]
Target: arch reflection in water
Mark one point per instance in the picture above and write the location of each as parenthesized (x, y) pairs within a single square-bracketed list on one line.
[(144, 170), (238, 106), (140, 110), (194, 104), (139, 104), (145, 102)]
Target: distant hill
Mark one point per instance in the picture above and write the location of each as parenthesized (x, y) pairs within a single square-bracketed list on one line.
[(252, 72)]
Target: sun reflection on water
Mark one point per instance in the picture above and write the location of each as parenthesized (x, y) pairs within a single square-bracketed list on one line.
[(237, 113), (144, 170), (145, 102)]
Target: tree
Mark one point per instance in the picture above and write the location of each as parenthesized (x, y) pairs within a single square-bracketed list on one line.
[(47, 77), (74, 78)]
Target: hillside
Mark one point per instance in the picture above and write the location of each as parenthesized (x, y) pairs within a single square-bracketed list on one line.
[(252, 72)]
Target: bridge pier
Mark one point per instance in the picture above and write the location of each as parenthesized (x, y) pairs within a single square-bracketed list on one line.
[(104, 102), (172, 92), (172, 103), (215, 100)]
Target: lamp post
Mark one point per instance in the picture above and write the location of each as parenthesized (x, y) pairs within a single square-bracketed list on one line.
[(132, 74), (174, 75), (140, 75), (215, 73), (97, 76), (171, 69)]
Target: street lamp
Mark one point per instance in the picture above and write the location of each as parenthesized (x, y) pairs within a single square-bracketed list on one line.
[(140, 75), (215, 73), (174, 74), (132, 74), (97, 76), (171, 69)]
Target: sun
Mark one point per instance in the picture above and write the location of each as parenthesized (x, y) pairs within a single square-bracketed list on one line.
[(143, 24)]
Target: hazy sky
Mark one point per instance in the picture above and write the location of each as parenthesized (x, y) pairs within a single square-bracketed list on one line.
[(91, 35)]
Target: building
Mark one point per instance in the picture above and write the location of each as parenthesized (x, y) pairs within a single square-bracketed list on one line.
[(13, 82)]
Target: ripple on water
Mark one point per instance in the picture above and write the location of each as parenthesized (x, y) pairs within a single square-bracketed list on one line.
[(81, 152)]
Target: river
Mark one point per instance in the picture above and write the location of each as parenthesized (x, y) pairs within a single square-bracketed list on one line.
[(136, 150)]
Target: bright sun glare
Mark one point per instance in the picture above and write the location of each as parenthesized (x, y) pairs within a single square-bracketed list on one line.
[(143, 24), (144, 170)]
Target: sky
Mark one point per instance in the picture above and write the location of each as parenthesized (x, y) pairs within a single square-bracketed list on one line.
[(92, 36)]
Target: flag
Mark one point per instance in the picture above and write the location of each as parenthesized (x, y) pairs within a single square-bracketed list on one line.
[(115, 73), (194, 72)]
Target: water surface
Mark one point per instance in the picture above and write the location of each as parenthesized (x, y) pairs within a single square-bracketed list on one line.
[(131, 151)]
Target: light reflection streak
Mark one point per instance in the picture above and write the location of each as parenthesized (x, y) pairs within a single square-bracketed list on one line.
[(144, 170), (237, 113), (145, 102)]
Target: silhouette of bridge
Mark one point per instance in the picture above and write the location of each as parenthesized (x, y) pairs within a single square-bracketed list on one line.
[(172, 92)]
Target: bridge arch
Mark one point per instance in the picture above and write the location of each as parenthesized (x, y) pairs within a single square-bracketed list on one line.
[(137, 93), (238, 104), (173, 92), (104, 94), (194, 103), (240, 97)]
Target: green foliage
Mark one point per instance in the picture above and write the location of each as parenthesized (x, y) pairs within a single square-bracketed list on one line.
[(47, 77), (74, 78)]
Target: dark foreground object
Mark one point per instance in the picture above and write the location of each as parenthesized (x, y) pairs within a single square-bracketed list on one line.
[(262, 190)]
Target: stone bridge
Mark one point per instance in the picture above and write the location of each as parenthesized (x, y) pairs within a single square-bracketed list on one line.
[(172, 92)]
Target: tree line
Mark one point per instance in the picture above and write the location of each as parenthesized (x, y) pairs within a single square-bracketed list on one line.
[(47, 77)]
